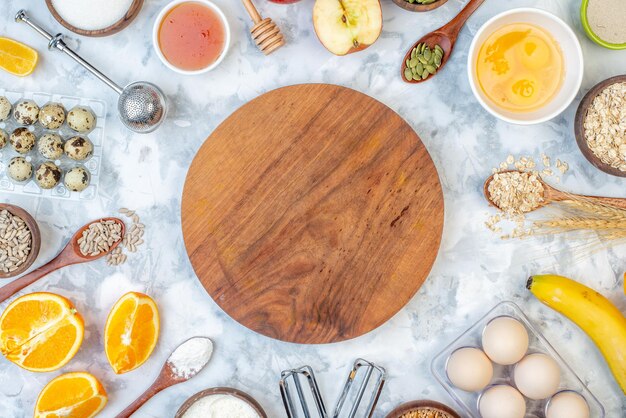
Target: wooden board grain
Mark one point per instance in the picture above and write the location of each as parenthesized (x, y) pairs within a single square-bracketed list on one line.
[(313, 214)]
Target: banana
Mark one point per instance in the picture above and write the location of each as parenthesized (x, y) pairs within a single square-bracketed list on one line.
[(592, 312)]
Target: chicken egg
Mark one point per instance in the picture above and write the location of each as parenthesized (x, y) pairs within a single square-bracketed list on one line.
[(505, 340), (537, 376), (502, 401), (469, 369), (567, 404)]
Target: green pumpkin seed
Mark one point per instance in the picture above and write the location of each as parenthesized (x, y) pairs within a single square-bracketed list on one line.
[(427, 54), (438, 60), (431, 69), (408, 74)]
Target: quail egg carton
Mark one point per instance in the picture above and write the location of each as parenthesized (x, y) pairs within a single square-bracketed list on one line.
[(93, 164), (468, 401)]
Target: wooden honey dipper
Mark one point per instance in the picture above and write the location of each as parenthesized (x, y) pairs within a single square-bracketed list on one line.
[(264, 32)]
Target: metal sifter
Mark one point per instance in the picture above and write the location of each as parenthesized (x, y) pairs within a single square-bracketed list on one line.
[(141, 105)]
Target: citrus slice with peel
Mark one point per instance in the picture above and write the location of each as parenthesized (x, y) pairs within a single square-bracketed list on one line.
[(131, 332), (75, 395), (17, 58), (40, 332)]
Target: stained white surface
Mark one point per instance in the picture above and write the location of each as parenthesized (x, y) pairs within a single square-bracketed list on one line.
[(474, 270)]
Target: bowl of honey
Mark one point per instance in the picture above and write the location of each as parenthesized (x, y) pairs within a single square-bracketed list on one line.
[(525, 66), (191, 36)]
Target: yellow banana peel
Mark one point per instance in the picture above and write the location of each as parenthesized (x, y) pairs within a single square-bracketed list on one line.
[(592, 312)]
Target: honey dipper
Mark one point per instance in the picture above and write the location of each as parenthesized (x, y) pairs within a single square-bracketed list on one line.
[(264, 32)]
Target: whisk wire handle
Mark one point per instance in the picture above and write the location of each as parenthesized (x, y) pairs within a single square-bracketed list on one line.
[(56, 42)]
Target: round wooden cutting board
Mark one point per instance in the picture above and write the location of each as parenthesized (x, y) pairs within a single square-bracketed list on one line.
[(313, 214)]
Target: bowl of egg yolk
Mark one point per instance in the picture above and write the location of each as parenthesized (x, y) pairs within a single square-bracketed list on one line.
[(525, 66)]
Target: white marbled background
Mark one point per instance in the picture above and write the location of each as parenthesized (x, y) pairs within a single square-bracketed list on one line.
[(474, 271)]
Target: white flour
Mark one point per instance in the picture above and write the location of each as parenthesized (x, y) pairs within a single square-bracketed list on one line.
[(191, 357), (220, 406), (91, 14)]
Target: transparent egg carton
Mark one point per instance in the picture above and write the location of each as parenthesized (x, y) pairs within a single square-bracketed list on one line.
[(468, 401), (93, 164)]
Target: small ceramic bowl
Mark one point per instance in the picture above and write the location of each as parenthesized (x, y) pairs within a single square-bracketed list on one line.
[(591, 34), (416, 7), (35, 239), (157, 27), (417, 405), (579, 128), (572, 55), (221, 391)]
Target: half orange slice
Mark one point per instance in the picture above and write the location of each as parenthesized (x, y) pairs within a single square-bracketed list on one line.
[(41, 332), (131, 332), (75, 395), (17, 58)]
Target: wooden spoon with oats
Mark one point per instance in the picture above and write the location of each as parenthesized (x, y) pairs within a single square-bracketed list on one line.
[(512, 189), (93, 241)]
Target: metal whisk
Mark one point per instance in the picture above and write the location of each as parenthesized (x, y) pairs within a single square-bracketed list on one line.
[(141, 105), (365, 380)]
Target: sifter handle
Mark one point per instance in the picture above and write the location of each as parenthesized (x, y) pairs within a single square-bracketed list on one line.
[(56, 42)]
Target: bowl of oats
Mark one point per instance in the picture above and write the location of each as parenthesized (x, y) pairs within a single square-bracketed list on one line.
[(20, 240), (600, 126), (423, 409)]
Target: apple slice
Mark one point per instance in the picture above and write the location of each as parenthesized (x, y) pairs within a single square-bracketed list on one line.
[(346, 26)]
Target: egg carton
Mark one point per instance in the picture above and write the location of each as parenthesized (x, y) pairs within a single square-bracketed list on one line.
[(93, 164), (504, 374)]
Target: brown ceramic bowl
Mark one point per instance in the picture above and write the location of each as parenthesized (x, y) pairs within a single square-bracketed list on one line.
[(579, 129), (130, 15), (416, 7), (416, 405), (35, 237), (221, 391)]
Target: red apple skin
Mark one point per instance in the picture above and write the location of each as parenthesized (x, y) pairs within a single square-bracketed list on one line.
[(352, 50)]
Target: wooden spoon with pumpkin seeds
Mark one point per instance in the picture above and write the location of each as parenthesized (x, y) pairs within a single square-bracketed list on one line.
[(445, 37)]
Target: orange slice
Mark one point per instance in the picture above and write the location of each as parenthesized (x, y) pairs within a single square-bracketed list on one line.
[(40, 332), (17, 58), (131, 332), (74, 395)]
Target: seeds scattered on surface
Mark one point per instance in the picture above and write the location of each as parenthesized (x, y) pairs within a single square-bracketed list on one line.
[(516, 192), (15, 241), (132, 239), (605, 126), (423, 62), (99, 237)]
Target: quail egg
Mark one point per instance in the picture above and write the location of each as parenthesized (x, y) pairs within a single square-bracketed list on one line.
[(4, 138), (20, 169), (47, 175), (26, 112), (78, 148), (50, 146), (77, 179), (52, 115), (5, 108), (81, 119), (22, 140)]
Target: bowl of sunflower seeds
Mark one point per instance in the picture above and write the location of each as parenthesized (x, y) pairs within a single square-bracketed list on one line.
[(419, 5)]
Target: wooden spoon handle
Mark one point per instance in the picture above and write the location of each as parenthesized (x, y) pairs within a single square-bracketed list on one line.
[(156, 387), (252, 11), (16, 285), (454, 26)]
